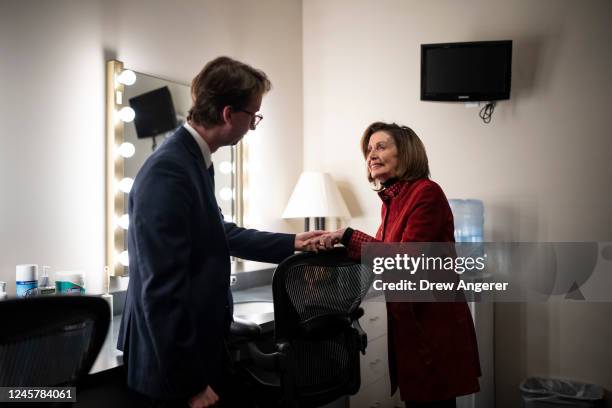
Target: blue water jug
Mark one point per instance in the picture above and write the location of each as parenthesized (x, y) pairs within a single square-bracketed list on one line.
[(469, 220)]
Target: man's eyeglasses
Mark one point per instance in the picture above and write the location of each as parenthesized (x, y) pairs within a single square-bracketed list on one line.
[(256, 117)]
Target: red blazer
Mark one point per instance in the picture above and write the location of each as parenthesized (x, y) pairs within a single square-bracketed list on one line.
[(433, 354)]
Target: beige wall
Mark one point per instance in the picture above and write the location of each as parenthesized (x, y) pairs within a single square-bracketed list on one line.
[(542, 167), (52, 110)]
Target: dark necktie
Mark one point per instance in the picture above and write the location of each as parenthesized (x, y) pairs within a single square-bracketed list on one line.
[(211, 171)]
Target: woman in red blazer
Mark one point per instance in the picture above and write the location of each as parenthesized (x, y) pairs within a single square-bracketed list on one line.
[(433, 354)]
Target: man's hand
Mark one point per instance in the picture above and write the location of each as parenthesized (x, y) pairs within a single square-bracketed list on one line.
[(206, 398), (305, 241), (325, 241)]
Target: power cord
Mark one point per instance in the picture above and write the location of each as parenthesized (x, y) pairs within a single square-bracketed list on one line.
[(487, 112)]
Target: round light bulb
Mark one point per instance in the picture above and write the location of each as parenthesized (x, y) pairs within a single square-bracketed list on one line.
[(226, 193), (124, 258), (127, 77), (225, 167), (124, 221), (125, 185), (126, 150), (126, 114)]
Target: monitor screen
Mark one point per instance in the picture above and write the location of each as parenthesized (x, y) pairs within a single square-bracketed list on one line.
[(155, 112), (475, 71)]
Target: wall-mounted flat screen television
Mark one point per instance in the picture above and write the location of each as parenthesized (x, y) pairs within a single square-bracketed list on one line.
[(466, 71), (155, 113)]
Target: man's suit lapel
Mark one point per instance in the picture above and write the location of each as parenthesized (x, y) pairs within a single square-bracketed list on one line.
[(209, 182), (193, 148)]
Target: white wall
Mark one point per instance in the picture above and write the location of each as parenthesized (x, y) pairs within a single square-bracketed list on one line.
[(542, 167), (52, 110), (52, 143)]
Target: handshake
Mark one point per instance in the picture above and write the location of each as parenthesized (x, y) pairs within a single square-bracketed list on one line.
[(316, 241)]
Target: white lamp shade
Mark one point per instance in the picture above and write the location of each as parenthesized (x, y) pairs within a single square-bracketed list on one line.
[(316, 195)]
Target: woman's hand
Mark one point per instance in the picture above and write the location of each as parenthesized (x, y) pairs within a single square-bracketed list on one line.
[(304, 241), (326, 241)]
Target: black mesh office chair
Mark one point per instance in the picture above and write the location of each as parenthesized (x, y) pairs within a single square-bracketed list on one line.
[(50, 340), (317, 336)]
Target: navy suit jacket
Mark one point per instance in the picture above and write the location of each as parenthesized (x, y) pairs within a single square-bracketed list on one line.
[(177, 309)]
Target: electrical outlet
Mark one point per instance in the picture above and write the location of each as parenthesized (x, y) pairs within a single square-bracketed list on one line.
[(233, 280)]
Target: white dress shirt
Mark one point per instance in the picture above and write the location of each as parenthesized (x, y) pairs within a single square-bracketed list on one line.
[(202, 143)]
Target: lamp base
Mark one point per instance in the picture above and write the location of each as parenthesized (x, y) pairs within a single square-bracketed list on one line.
[(319, 223)]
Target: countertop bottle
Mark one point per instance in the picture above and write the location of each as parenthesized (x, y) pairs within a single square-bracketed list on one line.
[(69, 283), (44, 287), (3, 295), (26, 280)]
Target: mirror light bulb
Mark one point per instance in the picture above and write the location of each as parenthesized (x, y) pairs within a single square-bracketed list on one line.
[(126, 114), (127, 77), (124, 258), (125, 185), (226, 193), (124, 221), (225, 167), (126, 150)]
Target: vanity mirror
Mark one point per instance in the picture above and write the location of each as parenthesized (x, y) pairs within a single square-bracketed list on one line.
[(141, 112)]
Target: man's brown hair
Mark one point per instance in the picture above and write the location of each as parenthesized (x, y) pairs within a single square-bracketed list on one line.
[(224, 82)]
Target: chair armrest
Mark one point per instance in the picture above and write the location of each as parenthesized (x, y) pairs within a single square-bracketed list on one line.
[(363, 337), (357, 314), (244, 328), (273, 361)]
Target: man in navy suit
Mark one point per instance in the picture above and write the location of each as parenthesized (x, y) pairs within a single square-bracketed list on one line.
[(178, 307)]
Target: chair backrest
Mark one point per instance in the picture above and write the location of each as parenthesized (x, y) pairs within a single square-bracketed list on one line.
[(316, 301), (50, 340)]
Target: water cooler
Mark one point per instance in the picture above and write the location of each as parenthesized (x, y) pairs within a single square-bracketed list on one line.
[(469, 227)]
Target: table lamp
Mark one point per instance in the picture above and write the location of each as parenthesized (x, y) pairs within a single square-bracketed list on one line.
[(315, 196)]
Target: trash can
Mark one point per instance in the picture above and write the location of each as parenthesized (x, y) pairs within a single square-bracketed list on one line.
[(553, 392)]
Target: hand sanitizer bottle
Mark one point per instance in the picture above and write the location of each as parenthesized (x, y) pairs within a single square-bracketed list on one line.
[(44, 287)]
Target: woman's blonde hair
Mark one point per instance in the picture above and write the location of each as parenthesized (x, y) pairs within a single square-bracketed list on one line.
[(412, 157)]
